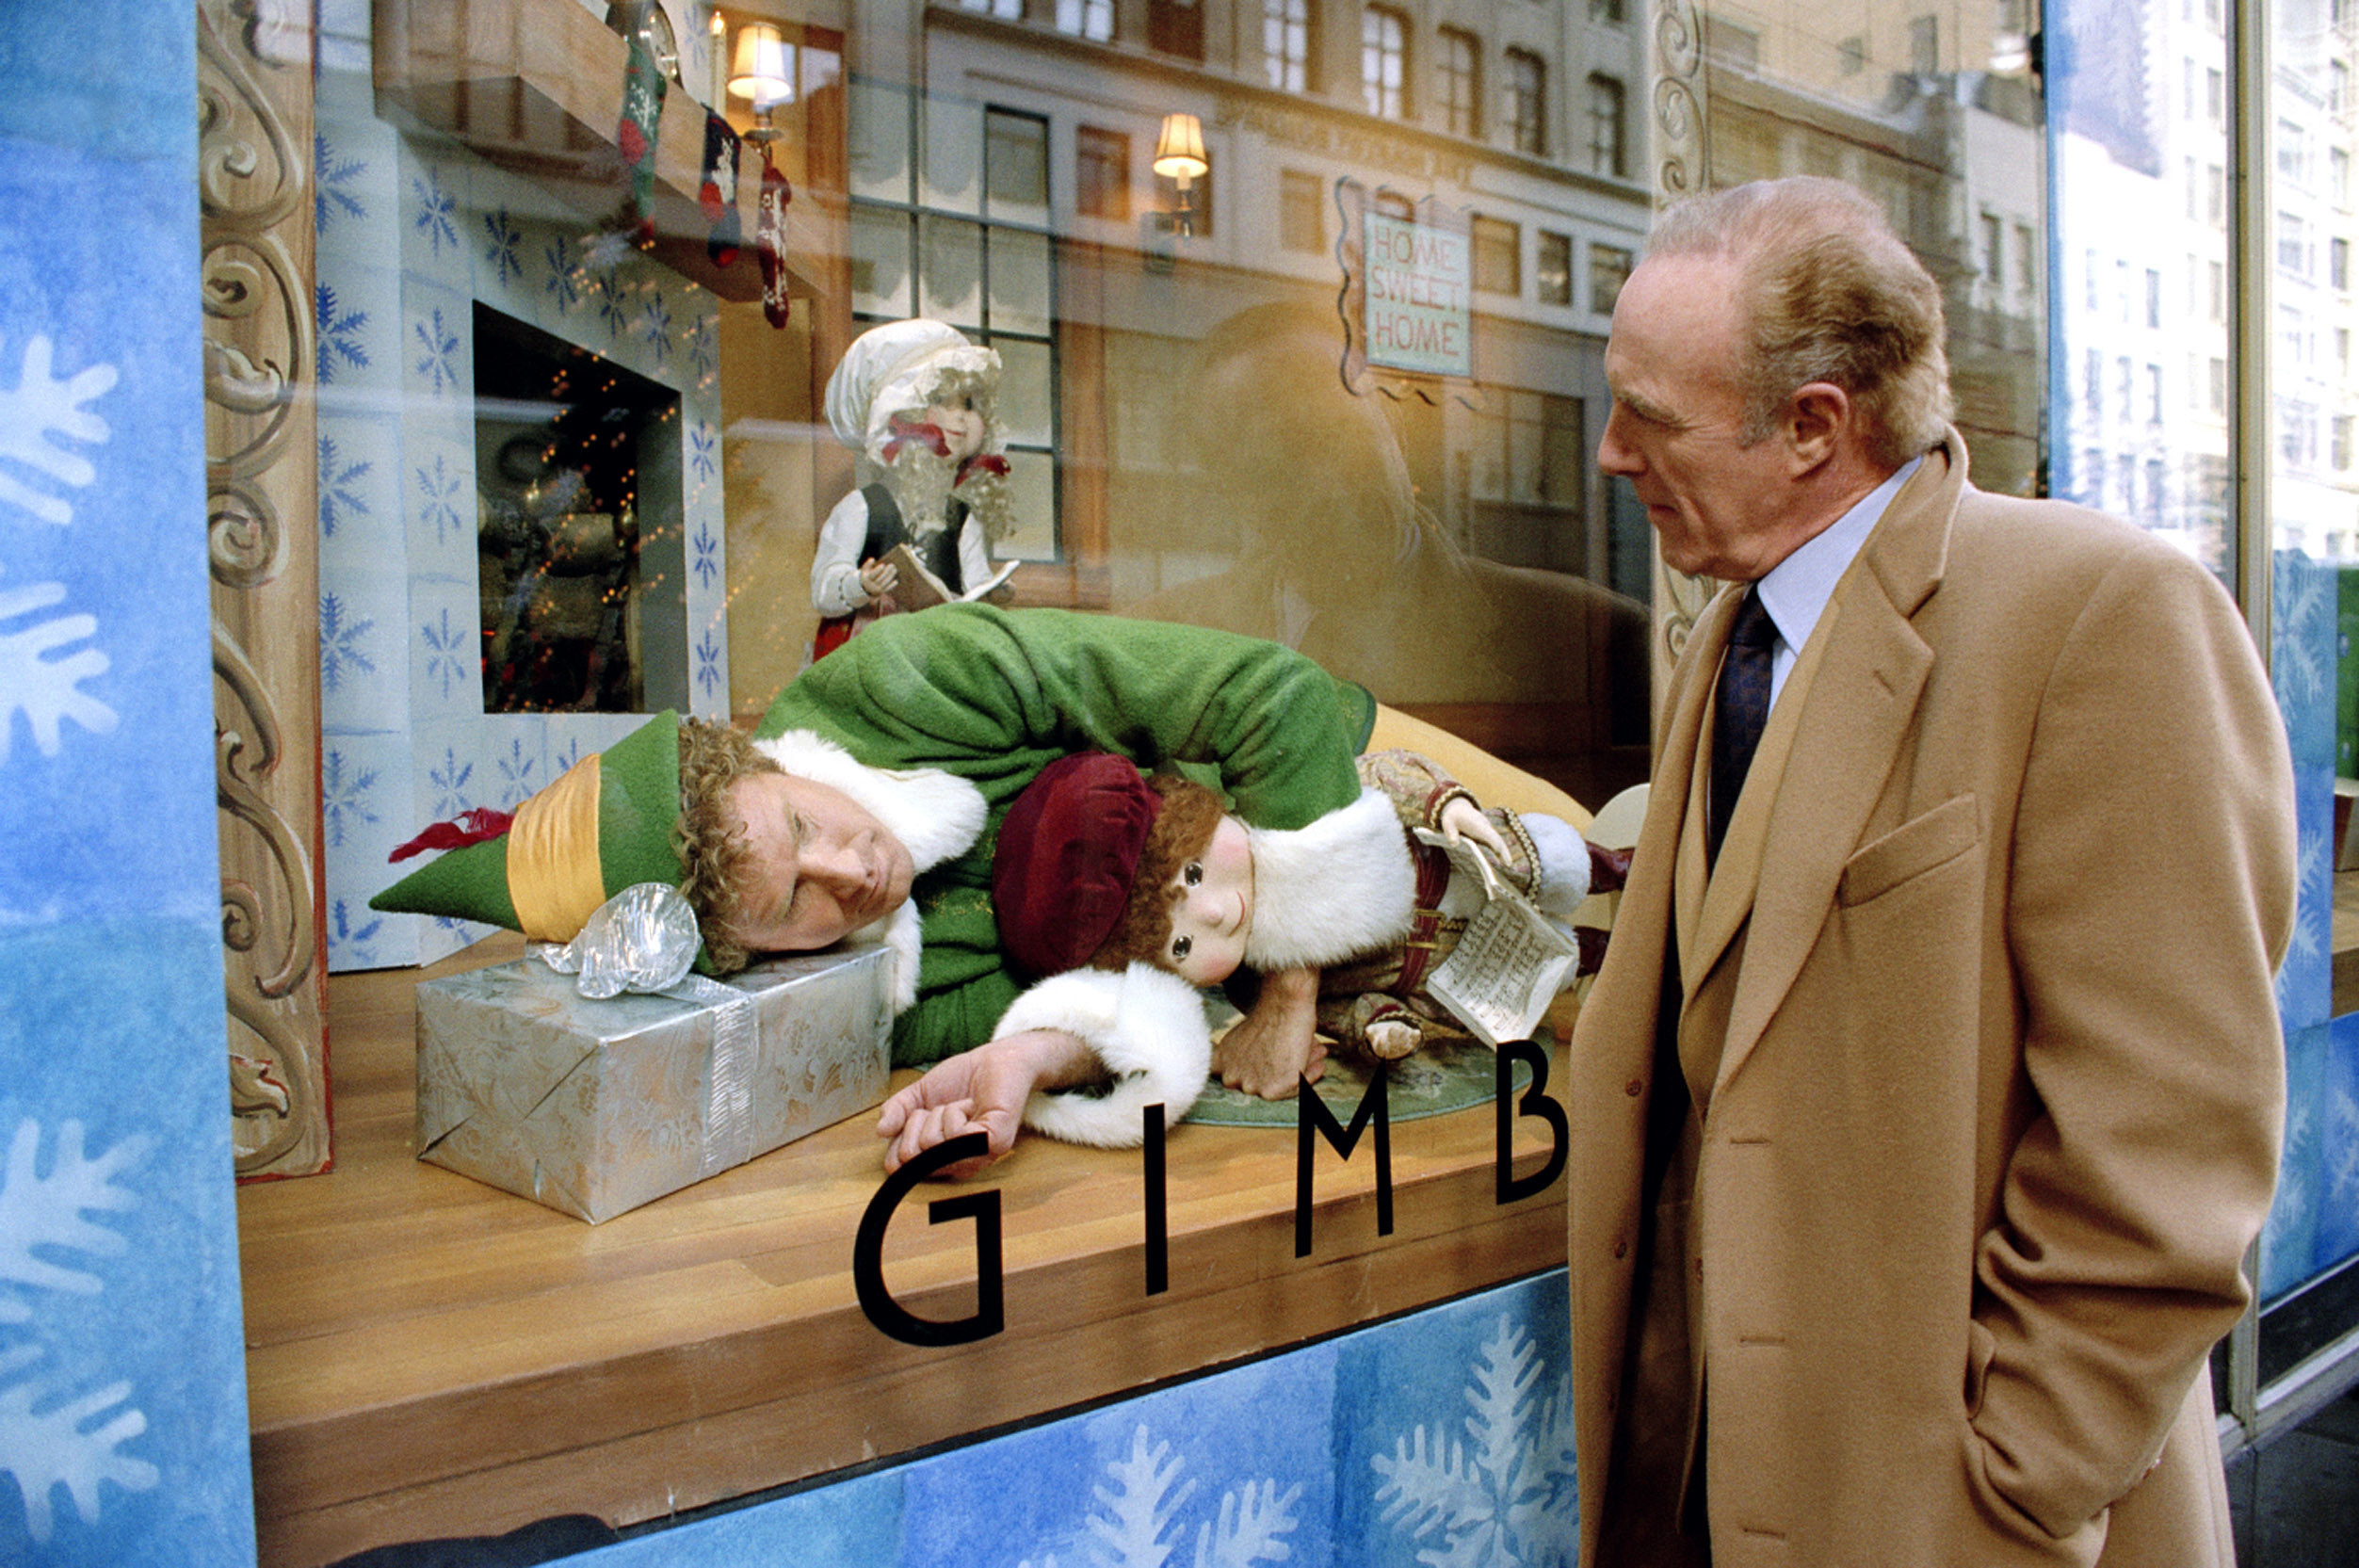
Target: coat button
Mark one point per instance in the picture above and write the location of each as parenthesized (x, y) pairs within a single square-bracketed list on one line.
[(1633, 1087), (1621, 1248)]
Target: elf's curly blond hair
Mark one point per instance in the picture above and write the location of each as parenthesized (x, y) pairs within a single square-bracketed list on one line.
[(710, 836)]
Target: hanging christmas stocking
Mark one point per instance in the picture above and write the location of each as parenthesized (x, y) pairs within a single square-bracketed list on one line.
[(718, 192), (636, 134), (769, 240)]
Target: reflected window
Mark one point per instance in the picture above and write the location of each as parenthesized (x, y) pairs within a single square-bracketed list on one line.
[(2293, 245), (1458, 71), (1607, 11), (1302, 211), (1552, 268), (1176, 27), (1607, 153), (2339, 263), (1101, 172), (1925, 44), (1285, 44), (1527, 103), (1608, 270), (1006, 10), (1385, 61), (1498, 255), (1089, 19)]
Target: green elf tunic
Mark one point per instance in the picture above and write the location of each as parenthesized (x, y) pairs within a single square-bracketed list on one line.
[(991, 697)]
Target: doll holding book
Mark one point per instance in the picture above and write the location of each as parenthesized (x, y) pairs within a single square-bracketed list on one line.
[(919, 404)]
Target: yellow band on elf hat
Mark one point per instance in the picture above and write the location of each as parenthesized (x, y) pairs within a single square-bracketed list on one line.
[(553, 864)]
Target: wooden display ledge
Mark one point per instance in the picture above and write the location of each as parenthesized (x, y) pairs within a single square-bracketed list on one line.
[(536, 85), (428, 1356)]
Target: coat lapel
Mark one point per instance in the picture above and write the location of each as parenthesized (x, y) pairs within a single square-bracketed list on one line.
[(1864, 700)]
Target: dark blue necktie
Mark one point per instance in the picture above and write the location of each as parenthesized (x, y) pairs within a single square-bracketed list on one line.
[(1743, 709)]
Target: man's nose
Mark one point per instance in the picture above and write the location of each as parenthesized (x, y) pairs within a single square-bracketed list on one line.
[(834, 863), (1614, 454)]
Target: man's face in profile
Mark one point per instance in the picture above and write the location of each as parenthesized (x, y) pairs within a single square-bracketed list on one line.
[(1676, 431), (818, 865)]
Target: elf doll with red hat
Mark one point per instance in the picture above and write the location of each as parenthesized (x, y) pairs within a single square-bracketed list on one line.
[(1124, 893)]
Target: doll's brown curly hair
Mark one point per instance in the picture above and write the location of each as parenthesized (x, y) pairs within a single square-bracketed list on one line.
[(1182, 829), (710, 837)]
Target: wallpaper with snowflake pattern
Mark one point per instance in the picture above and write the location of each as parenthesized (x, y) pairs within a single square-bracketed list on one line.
[(410, 237), (1441, 1439), (122, 1406)]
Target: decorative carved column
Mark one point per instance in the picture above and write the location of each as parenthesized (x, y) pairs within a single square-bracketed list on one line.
[(1681, 166), (254, 124)]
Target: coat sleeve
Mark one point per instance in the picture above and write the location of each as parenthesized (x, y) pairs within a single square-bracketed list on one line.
[(2151, 898), (835, 562)]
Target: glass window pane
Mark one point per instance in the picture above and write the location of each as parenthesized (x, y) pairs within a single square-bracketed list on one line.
[(1024, 392), (1032, 497), (1015, 169), (879, 258), (876, 142), (1019, 283), (954, 156), (950, 279)]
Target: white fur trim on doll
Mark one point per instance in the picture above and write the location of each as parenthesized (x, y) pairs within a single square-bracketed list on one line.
[(936, 815), (1341, 888), (1563, 864), (1148, 1029)]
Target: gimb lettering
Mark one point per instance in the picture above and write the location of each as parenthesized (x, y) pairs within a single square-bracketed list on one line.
[(1314, 1122)]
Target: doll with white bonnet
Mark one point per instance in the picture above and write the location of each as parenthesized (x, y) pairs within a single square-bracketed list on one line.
[(1122, 894), (919, 405)]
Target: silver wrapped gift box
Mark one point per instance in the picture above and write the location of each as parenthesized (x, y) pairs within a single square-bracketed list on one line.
[(596, 1106)]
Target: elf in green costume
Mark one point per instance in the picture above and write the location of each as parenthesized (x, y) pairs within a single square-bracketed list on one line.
[(868, 803)]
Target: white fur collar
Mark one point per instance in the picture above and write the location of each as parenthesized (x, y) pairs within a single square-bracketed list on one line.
[(936, 815), (1344, 886)]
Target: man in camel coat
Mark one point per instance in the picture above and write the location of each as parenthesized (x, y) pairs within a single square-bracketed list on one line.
[(1932, 1088)]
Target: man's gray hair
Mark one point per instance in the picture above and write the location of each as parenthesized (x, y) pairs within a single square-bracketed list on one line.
[(1830, 295)]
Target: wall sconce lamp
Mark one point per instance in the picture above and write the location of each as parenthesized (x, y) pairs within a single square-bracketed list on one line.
[(1179, 154), (763, 75)]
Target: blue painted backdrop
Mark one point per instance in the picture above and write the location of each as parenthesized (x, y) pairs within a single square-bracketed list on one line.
[(122, 1403)]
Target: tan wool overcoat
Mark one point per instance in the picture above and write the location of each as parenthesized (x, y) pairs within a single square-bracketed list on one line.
[(1977, 1010)]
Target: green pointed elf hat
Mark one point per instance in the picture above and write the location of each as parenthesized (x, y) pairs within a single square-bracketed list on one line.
[(605, 824)]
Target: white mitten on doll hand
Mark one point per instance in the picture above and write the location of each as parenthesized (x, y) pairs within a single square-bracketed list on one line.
[(1461, 819), (1563, 864)]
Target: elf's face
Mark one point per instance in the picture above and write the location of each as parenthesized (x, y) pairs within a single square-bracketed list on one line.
[(818, 868), (962, 426), (1212, 908)]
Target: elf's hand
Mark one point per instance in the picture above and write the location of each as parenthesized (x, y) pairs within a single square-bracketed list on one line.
[(1462, 821), (980, 1090), (1273, 1050), (879, 577)]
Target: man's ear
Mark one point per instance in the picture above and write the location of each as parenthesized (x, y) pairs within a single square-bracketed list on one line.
[(1819, 417)]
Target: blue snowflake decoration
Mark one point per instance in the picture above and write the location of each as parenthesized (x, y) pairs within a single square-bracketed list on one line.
[(339, 482), (351, 939), (339, 335), (340, 644), (708, 664), (708, 562), (438, 350), (331, 176), (344, 797), (448, 659), (438, 215), (560, 761), (506, 241), (655, 320), (516, 771), (614, 306), (450, 784), (704, 349), (564, 282), (702, 444), (438, 492)]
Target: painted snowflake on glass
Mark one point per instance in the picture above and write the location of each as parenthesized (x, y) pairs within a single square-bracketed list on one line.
[(339, 335), (340, 635), (438, 497), (708, 562), (449, 656), (438, 352), (450, 784), (517, 770), (352, 941), (331, 178), (344, 796), (703, 444), (564, 282), (704, 348), (46, 1438), (438, 214), (38, 417), (1137, 1521), (503, 253), (1504, 1497), (339, 486), (654, 320), (708, 664)]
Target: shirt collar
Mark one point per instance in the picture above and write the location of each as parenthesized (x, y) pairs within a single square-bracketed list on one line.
[(1796, 590)]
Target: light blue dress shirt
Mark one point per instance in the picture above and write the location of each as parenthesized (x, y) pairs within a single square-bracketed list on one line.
[(1796, 590)]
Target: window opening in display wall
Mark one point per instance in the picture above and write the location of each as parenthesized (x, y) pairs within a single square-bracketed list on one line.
[(969, 246), (581, 570)]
